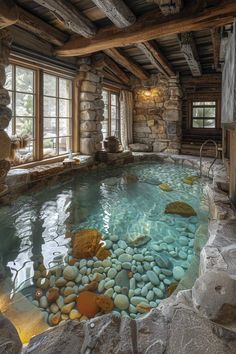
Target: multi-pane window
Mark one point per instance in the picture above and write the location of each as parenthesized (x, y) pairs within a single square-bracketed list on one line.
[(41, 110), (20, 82), (57, 115), (204, 114), (111, 122)]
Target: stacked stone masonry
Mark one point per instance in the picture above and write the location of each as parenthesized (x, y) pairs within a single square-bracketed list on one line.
[(5, 112), (157, 114), (91, 107)]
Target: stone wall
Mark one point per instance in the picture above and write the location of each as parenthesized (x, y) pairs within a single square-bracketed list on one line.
[(91, 107), (157, 113), (5, 112)]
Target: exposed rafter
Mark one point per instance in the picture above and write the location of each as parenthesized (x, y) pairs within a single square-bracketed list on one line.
[(216, 38), (189, 49), (155, 56), (117, 11), (107, 62), (42, 29), (70, 16), (152, 26), (127, 63), (169, 7), (8, 13)]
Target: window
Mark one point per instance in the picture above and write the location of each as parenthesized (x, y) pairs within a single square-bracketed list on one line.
[(20, 82), (57, 115), (204, 114), (111, 122), (41, 104)]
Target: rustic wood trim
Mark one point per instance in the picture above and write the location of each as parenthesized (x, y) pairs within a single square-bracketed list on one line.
[(70, 16), (8, 13), (153, 26), (117, 11), (40, 28), (127, 63), (106, 62), (76, 115), (189, 50), (216, 39), (155, 56)]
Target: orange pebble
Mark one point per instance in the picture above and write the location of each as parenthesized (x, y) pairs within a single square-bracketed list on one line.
[(86, 304)]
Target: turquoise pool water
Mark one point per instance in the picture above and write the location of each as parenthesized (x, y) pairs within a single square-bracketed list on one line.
[(122, 208)]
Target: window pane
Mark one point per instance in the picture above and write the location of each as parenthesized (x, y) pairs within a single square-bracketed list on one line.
[(64, 127), (25, 126), (10, 105), (209, 112), (105, 96), (114, 99), (49, 107), (64, 145), (25, 155), (49, 127), (105, 112), (9, 129), (114, 113), (24, 104), (24, 80), (209, 123), (49, 147), (64, 108), (198, 123), (206, 103), (65, 88), (105, 129), (8, 84), (197, 112), (49, 85)]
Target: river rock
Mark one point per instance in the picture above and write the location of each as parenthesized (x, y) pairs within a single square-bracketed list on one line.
[(121, 301), (126, 265), (125, 258), (109, 284), (122, 279), (111, 273), (138, 257), (67, 308), (122, 244), (178, 272), (135, 300), (180, 208), (74, 314), (70, 272), (70, 298), (183, 241), (169, 239), (138, 240), (43, 302), (60, 282), (153, 277)]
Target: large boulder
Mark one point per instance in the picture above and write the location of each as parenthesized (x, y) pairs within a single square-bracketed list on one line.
[(214, 296), (180, 208), (10, 342)]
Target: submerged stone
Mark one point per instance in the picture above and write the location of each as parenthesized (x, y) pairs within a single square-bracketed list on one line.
[(165, 187), (138, 240), (180, 208)]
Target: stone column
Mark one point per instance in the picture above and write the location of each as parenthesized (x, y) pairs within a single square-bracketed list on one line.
[(91, 107), (5, 112)]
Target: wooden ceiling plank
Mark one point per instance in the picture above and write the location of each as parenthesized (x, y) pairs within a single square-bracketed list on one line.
[(156, 57), (127, 63), (70, 16), (216, 39), (107, 62), (152, 26), (40, 28), (189, 50), (117, 11), (8, 13), (169, 7)]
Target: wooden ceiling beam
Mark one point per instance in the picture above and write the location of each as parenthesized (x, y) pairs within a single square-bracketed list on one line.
[(40, 28), (216, 39), (70, 16), (117, 11), (8, 13), (156, 57), (189, 50), (152, 26), (107, 62), (127, 63), (169, 7)]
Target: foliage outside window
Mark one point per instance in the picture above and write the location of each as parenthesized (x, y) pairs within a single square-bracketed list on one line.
[(111, 122), (20, 82), (54, 136), (204, 114), (57, 115)]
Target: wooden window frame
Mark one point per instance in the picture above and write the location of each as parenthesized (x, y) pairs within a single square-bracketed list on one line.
[(41, 69), (116, 92)]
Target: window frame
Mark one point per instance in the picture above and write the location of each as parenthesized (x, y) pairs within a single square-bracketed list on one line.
[(112, 91), (204, 98), (40, 69)]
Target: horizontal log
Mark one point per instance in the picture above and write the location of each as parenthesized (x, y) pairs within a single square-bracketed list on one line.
[(40, 28), (127, 63), (8, 13), (107, 62), (152, 26), (117, 11), (70, 16)]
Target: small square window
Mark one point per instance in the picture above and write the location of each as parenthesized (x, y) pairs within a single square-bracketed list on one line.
[(203, 114)]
